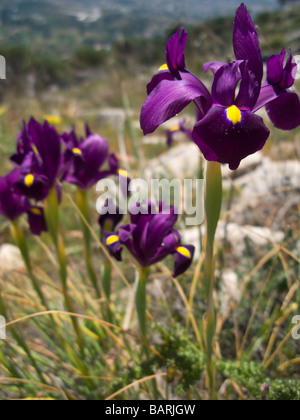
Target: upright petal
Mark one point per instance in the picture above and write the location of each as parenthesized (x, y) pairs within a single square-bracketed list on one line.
[(275, 68), (246, 43), (95, 152), (225, 83), (48, 144), (249, 90), (175, 51)]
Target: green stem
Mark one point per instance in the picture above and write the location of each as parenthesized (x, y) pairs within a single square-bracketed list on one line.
[(83, 205), (19, 237), (52, 219), (140, 300), (213, 205), (106, 286)]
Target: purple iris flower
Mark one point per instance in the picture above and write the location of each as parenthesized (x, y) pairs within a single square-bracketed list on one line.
[(12, 203), (227, 130), (84, 158), (173, 88), (39, 157), (151, 237), (283, 105), (177, 129)]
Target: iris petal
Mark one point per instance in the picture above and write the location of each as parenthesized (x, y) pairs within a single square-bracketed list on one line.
[(225, 82), (183, 259), (284, 111), (246, 43), (222, 141), (167, 100)]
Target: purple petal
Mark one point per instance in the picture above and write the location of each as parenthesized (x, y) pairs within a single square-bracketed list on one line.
[(175, 51), (36, 220), (222, 141), (225, 82), (155, 232), (284, 111), (214, 66), (47, 142), (12, 203), (157, 78), (183, 259), (95, 152), (249, 90), (288, 78), (114, 245), (168, 99), (246, 43), (275, 68), (267, 94)]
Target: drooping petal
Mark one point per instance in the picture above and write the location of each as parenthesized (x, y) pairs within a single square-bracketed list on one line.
[(32, 186), (284, 111), (167, 100), (37, 221), (183, 257), (157, 78), (225, 83), (114, 245), (12, 203), (228, 137), (246, 43)]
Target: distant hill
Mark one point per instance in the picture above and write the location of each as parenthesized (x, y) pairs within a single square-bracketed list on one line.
[(24, 21), (58, 27)]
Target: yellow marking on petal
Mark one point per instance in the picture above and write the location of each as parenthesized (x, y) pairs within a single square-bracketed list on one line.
[(234, 114), (53, 119), (124, 173), (77, 151), (175, 128), (164, 67), (112, 240), (36, 211), (184, 251), (29, 180)]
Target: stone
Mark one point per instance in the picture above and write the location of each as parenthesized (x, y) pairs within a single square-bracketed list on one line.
[(10, 258)]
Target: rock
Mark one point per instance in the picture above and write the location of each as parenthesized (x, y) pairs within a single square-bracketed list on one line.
[(10, 258), (237, 236), (229, 289)]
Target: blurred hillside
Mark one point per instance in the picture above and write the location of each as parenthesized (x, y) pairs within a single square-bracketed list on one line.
[(57, 43)]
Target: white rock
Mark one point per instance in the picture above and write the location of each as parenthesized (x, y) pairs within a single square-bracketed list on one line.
[(10, 258), (229, 289)]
